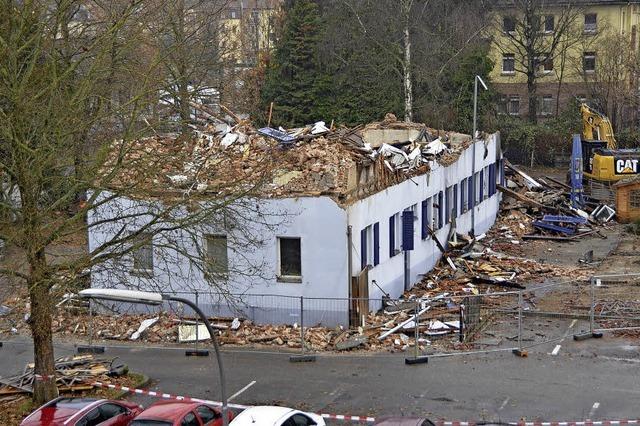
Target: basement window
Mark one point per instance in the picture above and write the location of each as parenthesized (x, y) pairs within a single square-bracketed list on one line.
[(289, 260)]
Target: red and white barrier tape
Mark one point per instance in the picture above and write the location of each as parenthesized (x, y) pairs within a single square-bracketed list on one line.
[(367, 419), (218, 403), (45, 377), (579, 423)]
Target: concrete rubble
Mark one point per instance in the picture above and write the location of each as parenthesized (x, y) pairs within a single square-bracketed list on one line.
[(343, 163)]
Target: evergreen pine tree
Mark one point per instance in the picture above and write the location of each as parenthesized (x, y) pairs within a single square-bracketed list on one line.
[(294, 81)]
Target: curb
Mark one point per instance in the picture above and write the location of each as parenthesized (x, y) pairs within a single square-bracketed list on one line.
[(144, 382)]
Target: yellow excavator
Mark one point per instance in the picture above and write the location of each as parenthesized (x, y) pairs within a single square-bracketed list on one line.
[(604, 163)]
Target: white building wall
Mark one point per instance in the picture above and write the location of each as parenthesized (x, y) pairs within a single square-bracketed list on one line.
[(322, 226), (389, 273)]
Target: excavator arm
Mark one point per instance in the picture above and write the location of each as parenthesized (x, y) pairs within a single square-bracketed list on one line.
[(596, 126)]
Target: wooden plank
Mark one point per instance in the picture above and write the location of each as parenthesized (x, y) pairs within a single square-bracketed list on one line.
[(521, 197), (534, 183)]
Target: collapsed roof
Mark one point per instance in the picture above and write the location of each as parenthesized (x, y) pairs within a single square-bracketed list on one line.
[(346, 164)]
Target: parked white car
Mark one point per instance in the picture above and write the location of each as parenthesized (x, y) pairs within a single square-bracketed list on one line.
[(276, 416)]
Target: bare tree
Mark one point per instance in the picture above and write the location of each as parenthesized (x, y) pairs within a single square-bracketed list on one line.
[(419, 39), (613, 83), (192, 48), (44, 94), (533, 33)]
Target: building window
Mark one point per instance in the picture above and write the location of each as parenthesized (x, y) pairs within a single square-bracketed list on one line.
[(508, 64), (464, 197), (217, 260), (590, 23), (545, 65), (395, 234), (484, 180), (492, 179), (233, 14), (438, 202), (370, 245), (589, 62), (634, 198), (546, 105), (549, 23), (143, 255), (448, 204), (454, 199), (289, 259), (513, 105), (426, 218), (508, 24)]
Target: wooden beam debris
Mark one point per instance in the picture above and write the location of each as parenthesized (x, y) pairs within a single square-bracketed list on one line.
[(403, 323)]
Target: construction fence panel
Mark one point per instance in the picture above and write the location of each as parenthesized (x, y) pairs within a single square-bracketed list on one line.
[(553, 313), (616, 304)]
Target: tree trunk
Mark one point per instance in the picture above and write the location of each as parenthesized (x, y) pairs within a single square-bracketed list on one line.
[(533, 98), (406, 70), (44, 385)]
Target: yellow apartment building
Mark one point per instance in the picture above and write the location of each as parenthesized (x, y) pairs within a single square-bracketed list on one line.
[(249, 28), (593, 32)]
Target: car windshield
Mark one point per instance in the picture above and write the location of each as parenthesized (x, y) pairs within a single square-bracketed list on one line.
[(143, 422)]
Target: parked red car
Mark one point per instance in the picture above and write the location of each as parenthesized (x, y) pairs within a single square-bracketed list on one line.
[(180, 413), (83, 412)]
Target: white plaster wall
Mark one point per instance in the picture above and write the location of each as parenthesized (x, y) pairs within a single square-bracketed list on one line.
[(317, 221), (322, 226), (389, 273)]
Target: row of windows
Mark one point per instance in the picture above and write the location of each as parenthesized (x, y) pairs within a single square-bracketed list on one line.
[(435, 212), (510, 104), (217, 260), (546, 23), (545, 65)]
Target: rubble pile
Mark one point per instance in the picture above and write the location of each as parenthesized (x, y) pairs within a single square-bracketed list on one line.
[(540, 209), (344, 163), (72, 374)]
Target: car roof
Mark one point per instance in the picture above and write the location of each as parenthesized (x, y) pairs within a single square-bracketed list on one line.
[(59, 410), (168, 410), (262, 415)]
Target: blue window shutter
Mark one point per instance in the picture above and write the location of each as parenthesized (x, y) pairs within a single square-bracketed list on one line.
[(425, 219), (392, 236), (471, 194), (407, 230), (455, 200), (363, 249), (462, 184), (376, 243), (440, 215), (481, 186)]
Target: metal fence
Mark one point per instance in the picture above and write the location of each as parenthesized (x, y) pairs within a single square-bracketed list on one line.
[(443, 325)]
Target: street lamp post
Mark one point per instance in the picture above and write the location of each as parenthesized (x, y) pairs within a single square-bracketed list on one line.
[(150, 298), (473, 140)]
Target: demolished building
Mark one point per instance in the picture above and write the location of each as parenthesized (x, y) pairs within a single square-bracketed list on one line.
[(354, 214)]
